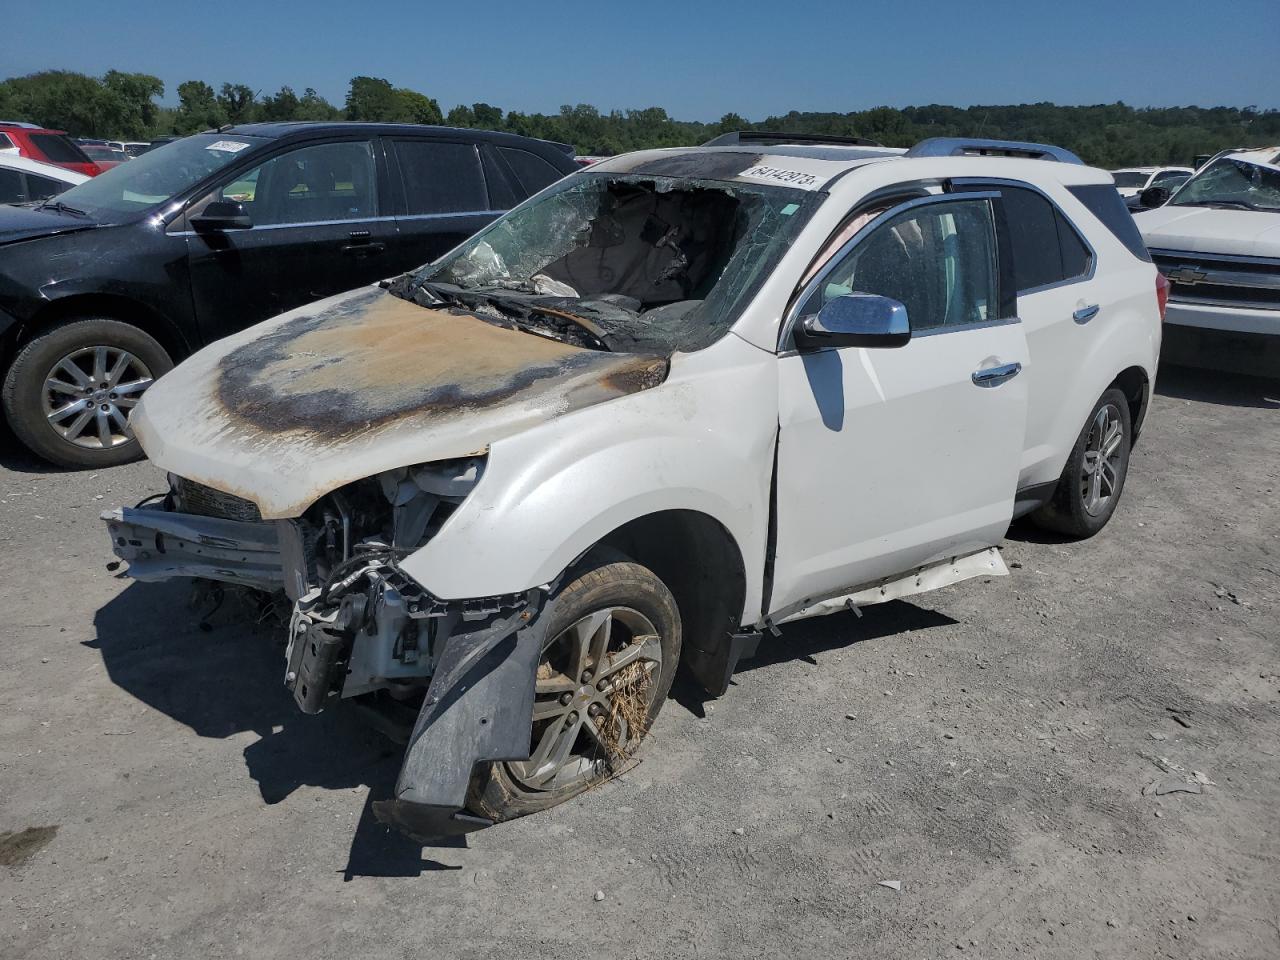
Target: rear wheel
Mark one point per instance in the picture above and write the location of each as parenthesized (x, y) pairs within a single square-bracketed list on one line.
[(613, 643), (1090, 486), (68, 393)]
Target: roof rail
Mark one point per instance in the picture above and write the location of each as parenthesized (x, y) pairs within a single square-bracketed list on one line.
[(963, 146), (769, 138)]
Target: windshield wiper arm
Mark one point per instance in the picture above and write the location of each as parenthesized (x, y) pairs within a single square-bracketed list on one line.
[(1241, 204), (61, 208)]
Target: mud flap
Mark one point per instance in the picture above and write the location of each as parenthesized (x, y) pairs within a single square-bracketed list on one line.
[(713, 669), (477, 709)]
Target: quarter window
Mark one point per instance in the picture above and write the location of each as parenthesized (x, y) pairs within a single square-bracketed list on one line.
[(938, 259), (531, 170), (441, 177), (41, 188), (1046, 247), (328, 181)]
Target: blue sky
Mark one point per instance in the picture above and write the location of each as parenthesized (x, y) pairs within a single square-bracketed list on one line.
[(699, 60)]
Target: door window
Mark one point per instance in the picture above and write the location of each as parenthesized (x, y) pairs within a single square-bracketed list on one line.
[(325, 182), (11, 187), (1046, 247), (441, 177), (938, 259)]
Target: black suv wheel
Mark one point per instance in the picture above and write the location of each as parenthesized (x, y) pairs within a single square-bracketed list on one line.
[(68, 393)]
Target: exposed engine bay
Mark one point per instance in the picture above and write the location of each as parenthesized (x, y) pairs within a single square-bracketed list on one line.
[(358, 623), (359, 627)]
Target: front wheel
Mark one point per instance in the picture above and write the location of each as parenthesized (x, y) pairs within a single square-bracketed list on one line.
[(613, 643), (68, 393), (1090, 486)]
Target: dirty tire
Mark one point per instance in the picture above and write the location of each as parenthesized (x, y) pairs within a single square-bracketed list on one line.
[(605, 581), (1070, 512), (23, 391)]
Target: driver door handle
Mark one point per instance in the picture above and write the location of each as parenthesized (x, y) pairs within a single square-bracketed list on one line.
[(362, 249), (994, 376), (1085, 314)]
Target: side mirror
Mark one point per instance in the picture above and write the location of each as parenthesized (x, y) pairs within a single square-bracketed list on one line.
[(222, 215), (1154, 197), (855, 320)]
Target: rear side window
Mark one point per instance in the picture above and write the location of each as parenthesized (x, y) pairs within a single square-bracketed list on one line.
[(441, 177), (1046, 248), (58, 148), (5, 142), (1105, 204), (531, 170), (11, 190), (40, 188)]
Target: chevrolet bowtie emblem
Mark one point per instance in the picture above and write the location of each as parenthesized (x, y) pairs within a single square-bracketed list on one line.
[(1186, 275)]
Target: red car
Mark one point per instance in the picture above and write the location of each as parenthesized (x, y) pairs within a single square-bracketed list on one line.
[(49, 146)]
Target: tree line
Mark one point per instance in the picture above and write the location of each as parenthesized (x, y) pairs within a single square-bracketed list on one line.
[(121, 105)]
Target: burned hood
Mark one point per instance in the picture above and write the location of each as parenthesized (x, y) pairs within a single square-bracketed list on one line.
[(293, 408)]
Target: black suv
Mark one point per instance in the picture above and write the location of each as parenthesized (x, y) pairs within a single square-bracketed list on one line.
[(105, 287)]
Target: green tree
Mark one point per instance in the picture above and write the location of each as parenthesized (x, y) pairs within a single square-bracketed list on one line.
[(372, 98), (487, 117), (238, 102), (133, 97), (198, 108)]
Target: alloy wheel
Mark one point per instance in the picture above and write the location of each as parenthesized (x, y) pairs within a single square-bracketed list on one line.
[(88, 394), (594, 691), (1101, 471)]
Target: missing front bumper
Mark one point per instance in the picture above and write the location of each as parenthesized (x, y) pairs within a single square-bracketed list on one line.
[(161, 545)]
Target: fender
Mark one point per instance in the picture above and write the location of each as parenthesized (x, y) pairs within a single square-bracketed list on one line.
[(701, 441)]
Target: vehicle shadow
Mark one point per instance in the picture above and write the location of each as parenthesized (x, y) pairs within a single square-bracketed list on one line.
[(220, 674), (14, 456), (805, 639), (1214, 386)]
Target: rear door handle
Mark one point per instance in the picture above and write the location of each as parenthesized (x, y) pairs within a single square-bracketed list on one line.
[(365, 249), (994, 376), (1085, 314)]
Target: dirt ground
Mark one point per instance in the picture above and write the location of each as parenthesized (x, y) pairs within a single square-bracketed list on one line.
[(987, 746)]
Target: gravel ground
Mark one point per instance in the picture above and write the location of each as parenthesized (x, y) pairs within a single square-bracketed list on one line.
[(987, 746)]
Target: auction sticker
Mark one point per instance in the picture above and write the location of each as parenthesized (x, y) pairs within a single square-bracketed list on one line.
[(782, 177), (228, 146)]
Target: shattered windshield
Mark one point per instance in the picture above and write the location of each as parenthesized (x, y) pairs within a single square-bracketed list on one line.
[(1232, 183), (627, 263)]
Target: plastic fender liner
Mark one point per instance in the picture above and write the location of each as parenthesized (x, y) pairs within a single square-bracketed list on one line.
[(478, 709)]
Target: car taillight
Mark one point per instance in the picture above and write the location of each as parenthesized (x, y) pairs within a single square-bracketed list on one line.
[(1162, 293)]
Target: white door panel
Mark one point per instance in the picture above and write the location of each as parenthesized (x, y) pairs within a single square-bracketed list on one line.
[(892, 458)]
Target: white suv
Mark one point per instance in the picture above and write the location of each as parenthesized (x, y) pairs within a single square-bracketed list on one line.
[(665, 406)]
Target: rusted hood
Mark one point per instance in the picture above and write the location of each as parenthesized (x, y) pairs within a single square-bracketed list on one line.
[(295, 407)]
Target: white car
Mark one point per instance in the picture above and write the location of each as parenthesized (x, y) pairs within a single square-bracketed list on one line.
[(1131, 181), (1217, 239), (23, 180), (666, 406)]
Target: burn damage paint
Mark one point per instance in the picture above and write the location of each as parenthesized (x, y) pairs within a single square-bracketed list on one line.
[(375, 359), (712, 165)]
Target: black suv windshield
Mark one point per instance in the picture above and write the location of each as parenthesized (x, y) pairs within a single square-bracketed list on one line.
[(632, 263), (1232, 183), (157, 175)]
